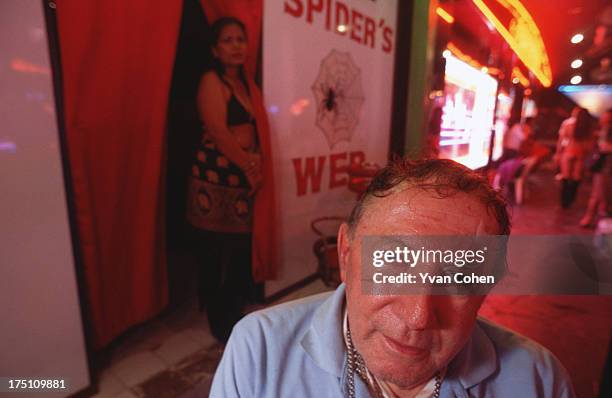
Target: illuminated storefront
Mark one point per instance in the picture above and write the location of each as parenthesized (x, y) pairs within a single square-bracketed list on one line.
[(487, 73), (467, 118), (502, 116)]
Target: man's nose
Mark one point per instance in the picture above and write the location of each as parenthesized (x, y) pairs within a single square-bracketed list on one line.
[(416, 312)]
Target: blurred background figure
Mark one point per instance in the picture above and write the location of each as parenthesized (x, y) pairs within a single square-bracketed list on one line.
[(563, 138), (601, 166), (517, 164), (225, 176), (513, 139), (573, 146)]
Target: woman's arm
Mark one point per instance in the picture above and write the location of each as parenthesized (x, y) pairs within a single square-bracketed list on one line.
[(212, 106)]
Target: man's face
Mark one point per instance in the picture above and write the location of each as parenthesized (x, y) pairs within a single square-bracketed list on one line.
[(405, 339)]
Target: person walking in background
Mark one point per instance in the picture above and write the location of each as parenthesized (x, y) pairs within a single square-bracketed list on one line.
[(226, 175), (573, 146), (602, 170)]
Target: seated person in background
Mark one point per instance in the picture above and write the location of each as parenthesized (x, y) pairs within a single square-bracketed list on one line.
[(507, 173), (514, 172), (351, 344), (514, 138)]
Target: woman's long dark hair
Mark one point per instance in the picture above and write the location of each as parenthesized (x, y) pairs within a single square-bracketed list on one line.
[(582, 128), (215, 33)]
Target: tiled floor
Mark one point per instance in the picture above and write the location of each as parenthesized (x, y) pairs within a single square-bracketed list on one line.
[(175, 355)]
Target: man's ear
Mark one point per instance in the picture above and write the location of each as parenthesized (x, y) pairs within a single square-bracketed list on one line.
[(344, 248)]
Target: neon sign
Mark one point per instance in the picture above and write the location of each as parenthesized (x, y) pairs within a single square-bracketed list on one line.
[(442, 13), (516, 73), (523, 36)]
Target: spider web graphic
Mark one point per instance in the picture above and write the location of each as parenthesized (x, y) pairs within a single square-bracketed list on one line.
[(339, 97)]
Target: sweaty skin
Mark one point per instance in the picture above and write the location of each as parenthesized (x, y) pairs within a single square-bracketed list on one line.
[(406, 339)]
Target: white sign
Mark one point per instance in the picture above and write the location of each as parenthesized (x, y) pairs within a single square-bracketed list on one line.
[(328, 76)]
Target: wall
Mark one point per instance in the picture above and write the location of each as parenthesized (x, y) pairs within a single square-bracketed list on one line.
[(41, 333)]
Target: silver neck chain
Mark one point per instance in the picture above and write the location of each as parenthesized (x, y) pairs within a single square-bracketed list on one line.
[(355, 364)]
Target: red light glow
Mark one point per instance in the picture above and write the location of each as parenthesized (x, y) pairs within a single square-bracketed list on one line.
[(23, 66), (298, 107)]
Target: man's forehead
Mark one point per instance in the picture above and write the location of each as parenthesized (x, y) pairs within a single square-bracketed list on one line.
[(417, 211)]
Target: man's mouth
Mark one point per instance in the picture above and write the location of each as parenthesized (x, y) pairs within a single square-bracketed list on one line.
[(405, 349)]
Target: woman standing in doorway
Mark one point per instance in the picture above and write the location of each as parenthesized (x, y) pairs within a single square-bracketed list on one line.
[(226, 175)]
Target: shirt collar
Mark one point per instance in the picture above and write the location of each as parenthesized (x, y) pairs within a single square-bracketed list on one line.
[(476, 361), (324, 343)]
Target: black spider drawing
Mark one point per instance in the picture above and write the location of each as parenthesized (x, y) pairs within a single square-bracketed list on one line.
[(330, 101)]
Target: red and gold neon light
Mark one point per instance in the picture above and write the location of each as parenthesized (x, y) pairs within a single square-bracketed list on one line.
[(523, 80), (456, 51), (442, 13), (523, 36)]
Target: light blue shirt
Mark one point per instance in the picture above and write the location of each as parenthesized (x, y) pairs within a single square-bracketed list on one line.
[(297, 350)]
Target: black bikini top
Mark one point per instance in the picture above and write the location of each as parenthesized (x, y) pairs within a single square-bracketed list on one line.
[(237, 114)]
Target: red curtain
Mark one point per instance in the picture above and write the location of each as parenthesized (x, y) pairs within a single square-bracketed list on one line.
[(117, 58)]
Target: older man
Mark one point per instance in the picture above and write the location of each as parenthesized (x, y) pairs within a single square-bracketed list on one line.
[(354, 344)]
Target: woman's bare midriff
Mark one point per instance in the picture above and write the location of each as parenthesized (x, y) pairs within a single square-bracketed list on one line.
[(245, 135)]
